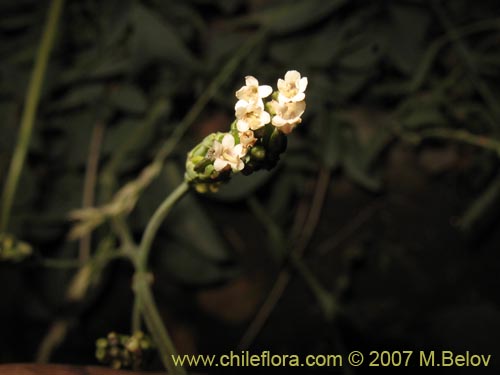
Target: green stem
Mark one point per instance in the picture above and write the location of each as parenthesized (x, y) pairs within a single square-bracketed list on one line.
[(460, 135), (29, 112), (144, 299), (323, 296), (278, 245), (325, 299), (155, 324), (136, 316), (481, 87), (154, 224)]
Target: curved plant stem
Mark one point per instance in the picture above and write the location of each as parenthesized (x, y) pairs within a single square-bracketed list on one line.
[(29, 112), (460, 135), (144, 299), (136, 316), (90, 182), (154, 224), (155, 324)]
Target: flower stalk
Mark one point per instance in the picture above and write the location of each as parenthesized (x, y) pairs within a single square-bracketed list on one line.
[(156, 328), (154, 224), (144, 299), (254, 141)]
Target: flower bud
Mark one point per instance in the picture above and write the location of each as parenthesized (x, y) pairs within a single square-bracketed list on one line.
[(258, 153), (123, 351), (12, 249)]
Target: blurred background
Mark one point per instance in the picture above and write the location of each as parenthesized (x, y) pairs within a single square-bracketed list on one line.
[(379, 229)]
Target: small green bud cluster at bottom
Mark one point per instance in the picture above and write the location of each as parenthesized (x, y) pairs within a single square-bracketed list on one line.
[(11, 249), (123, 351)]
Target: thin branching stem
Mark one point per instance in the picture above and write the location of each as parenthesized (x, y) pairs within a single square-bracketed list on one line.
[(154, 224), (29, 111), (144, 299)]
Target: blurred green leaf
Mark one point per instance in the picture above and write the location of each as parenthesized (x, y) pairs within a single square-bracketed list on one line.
[(362, 53), (424, 116), (78, 96), (77, 128), (293, 16), (481, 206), (345, 84), (355, 169), (186, 265), (242, 186), (406, 35), (282, 195), (154, 38), (317, 49), (64, 195), (190, 224), (331, 138), (128, 98), (341, 146)]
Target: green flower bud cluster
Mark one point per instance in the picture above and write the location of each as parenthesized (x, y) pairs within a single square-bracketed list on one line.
[(11, 249), (256, 138), (200, 171), (123, 351), (264, 154)]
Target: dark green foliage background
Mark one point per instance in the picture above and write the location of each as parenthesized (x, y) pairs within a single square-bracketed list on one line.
[(409, 224)]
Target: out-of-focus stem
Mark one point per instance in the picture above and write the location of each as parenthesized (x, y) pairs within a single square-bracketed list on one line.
[(29, 111), (154, 224), (155, 325), (144, 299)]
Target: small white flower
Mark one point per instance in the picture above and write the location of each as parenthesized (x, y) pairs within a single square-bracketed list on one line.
[(247, 139), (227, 153), (287, 115), (252, 92), (250, 116), (292, 88)]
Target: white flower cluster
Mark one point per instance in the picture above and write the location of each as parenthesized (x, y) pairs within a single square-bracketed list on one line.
[(257, 136), (284, 112)]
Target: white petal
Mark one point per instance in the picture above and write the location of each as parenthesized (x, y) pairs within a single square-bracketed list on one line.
[(238, 150), (217, 147), (278, 121), (299, 108), (303, 84), (255, 106), (242, 126), (241, 104), (228, 141), (265, 118), (240, 113), (299, 97), (282, 99), (265, 91), (281, 85), (292, 76), (240, 93), (240, 165), (251, 81), (219, 164)]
